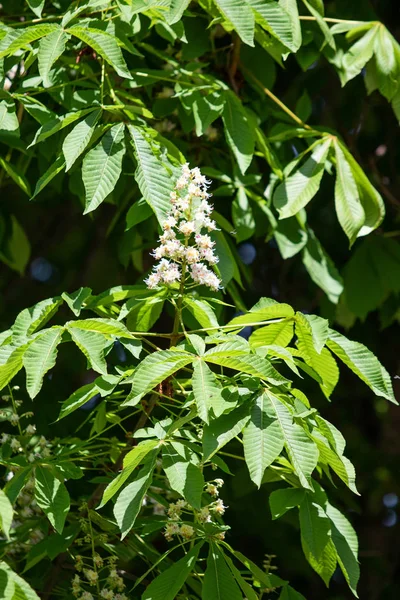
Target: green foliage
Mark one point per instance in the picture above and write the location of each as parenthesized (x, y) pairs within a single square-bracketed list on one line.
[(109, 100)]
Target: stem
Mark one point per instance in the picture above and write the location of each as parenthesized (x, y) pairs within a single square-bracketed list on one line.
[(178, 311), (15, 410), (330, 20), (275, 99), (93, 553)]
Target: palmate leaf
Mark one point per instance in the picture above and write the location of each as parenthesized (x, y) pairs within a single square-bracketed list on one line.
[(298, 189), (265, 309), (102, 167), (168, 584), (152, 177), (93, 345), (358, 55), (52, 497), (273, 17), (55, 124), (240, 17), (14, 41), (130, 500), (251, 364), (239, 132), (50, 49), (134, 458), (278, 334), (153, 369), (30, 320), (363, 363), (105, 45), (302, 451), (184, 476), (40, 357), (262, 439), (78, 139), (219, 582)]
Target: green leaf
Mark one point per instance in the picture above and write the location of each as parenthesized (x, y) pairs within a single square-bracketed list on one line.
[(15, 485), (345, 540), (273, 17), (51, 48), (131, 461), (25, 37), (144, 312), (298, 189), (40, 357), (184, 476), (322, 362), (321, 268), (168, 584), (291, 236), (176, 10), (17, 249), (315, 527), (93, 345), (36, 6), (280, 501), (278, 334), (371, 200), (202, 312), (52, 125), (155, 368), (239, 132), (30, 320), (8, 117), (139, 211), (107, 327), (319, 330), (242, 216), (11, 366), (262, 439), (16, 175), (104, 44), (245, 587), (102, 167), (13, 587), (363, 363), (224, 429), (207, 391), (302, 451), (218, 582), (329, 39), (349, 209), (78, 139), (250, 363), (288, 593), (358, 56), (387, 67), (130, 500), (6, 514), (52, 497), (265, 309), (49, 175), (240, 17), (291, 8)]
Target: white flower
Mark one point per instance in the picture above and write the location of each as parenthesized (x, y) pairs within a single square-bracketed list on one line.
[(187, 227), (42, 441), (169, 223), (153, 281), (204, 515), (187, 532), (107, 594), (86, 596), (219, 482), (30, 430), (212, 489), (4, 438), (218, 507), (171, 529), (91, 576), (15, 444), (192, 255), (31, 458), (14, 418)]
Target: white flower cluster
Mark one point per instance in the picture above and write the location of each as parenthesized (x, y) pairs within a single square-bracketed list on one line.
[(184, 246)]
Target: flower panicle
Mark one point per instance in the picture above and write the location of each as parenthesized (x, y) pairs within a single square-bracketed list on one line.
[(185, 239)]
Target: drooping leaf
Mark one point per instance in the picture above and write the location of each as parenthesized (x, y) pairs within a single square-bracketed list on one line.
[(239, 132), (8, 117), (52, 497), (358, 56), (129, 501), (184, 476), (222, 430), (218, 582), (168, 584), (102, 167), (242, 216), (207, 391), (363, 363), (16, 250), (14, 41), (6, 514), (93, 345), (280, 501), (329, 39), (52, 171), (298, 189), (10, 367), (40, 357), (13, 587), (16, 175), (346, 543), (274, 17), (315, 534), (321, 268), (262, 439)]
